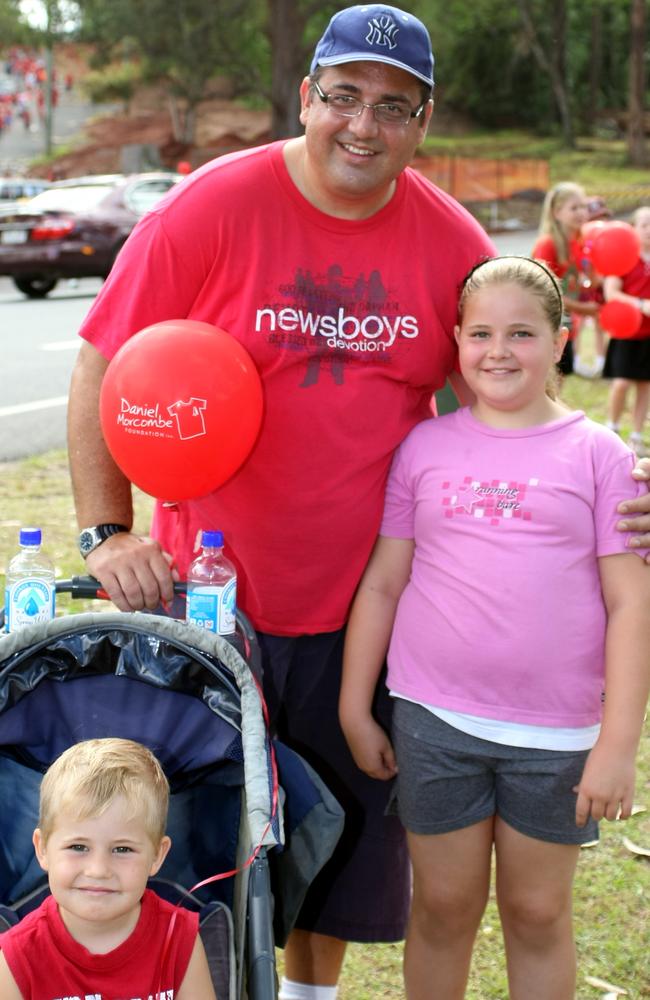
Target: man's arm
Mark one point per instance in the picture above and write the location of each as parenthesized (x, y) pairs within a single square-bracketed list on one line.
[(134, 571)]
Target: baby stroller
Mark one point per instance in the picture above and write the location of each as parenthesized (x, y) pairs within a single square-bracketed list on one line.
[(192, 698)]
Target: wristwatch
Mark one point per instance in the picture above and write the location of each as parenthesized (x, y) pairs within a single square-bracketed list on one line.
[(92, 538)]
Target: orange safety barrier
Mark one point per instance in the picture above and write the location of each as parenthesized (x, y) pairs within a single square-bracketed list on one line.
[(472, 179)]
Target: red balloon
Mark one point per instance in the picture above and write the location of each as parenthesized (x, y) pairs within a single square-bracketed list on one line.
[(590, 231), (616, 249), (621, 319), (180, 408)]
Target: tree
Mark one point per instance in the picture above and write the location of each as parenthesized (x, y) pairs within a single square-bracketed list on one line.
[(291, 48), (547, 38), (636, 146)]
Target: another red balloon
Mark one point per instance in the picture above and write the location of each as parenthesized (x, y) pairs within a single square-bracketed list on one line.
[(621, 319), (616, 249), (180, 408), (590, 231)]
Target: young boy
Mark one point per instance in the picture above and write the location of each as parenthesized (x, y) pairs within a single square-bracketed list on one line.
[(102, 934)]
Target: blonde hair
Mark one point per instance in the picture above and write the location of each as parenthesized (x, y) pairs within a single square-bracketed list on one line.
[(548, 224), (641, 210), (532, 275), (90, 775)]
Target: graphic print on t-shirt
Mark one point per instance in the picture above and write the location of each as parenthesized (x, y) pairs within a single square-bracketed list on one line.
[(189, 417), (335, 318), (492, 502)]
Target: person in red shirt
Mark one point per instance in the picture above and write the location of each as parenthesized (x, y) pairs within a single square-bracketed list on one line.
[(559, 245), (101, 835), (628, 360)]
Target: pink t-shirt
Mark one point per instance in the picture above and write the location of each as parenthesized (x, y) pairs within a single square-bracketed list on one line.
[(48, 964), (350, 324), (503, 615)]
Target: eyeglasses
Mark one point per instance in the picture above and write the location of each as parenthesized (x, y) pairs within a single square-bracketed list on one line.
[(386, 114)]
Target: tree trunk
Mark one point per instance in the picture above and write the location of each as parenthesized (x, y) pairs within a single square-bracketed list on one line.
[(595, 65), (286, 26), (636, 145), (551, 59)]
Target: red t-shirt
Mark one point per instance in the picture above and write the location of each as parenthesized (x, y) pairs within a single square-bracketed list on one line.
[(350, 324), (637, 282), (48, 964), (567, 271)]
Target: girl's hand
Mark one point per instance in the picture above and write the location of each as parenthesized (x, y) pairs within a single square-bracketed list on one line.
[(606, 789), (371, 748)]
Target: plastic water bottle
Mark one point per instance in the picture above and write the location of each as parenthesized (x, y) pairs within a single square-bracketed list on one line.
[(29, 588), (212, 588)]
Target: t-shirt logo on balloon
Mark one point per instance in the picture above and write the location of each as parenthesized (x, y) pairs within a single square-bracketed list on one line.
[(181, 408)]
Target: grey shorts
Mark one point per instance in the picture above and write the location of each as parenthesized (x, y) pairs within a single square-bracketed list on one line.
[(449, 780)]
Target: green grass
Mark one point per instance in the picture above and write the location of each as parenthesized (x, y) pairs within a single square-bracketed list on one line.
[(612, 894)]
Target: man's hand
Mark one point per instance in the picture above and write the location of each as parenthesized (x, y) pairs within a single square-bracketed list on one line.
[(134, 571), (371, 748), (637, 511)]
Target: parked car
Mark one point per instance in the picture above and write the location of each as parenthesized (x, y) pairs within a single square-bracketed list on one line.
[(75, 229), (13, 189)]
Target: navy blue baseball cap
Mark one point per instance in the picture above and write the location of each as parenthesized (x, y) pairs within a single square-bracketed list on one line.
[(377, 33)]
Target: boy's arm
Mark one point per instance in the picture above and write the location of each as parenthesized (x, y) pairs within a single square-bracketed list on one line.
[(606, 788), (8, 988), (367, 638), (197, 983)]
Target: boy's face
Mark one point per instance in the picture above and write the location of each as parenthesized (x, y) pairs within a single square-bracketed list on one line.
[(98, 869)]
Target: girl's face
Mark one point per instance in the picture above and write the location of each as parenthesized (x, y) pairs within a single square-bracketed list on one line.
[(507, 348), (642, 226), (571, 215)]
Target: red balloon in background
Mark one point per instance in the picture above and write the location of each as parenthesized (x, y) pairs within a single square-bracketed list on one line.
[(180, 408), (183, 167), (621, 319), (590, 231), (616, 249)]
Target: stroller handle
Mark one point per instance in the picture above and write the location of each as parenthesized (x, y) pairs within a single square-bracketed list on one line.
[(89, 587)]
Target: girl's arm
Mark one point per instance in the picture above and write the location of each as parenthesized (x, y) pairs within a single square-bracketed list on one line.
[(197, 983), (8, 988), (606, 789), (613, 289), (579, 307), (367, 637)]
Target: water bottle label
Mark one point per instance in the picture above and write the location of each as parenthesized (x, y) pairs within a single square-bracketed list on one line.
[(213, 608), (28, 602)]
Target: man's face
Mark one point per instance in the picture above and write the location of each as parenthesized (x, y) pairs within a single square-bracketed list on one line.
[(351, 163)]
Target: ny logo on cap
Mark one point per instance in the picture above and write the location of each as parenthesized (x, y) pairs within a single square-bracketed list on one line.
[(382, 31)]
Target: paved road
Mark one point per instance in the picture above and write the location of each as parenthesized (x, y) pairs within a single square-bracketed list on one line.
[(19, 146), (39, 346)]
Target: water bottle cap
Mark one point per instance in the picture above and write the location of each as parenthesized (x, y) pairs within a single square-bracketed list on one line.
[(30, 536), (212, 539)]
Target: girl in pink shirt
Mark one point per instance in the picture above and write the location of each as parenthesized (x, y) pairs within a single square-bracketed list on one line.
[(508, 603)]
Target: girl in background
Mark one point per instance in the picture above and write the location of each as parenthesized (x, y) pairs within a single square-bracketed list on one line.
[(628, 361), (559, 244)]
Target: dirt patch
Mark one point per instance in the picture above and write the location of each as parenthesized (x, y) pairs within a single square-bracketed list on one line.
[(222, 126)]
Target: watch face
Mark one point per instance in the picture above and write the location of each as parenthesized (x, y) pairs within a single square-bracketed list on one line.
[(86, 542)]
